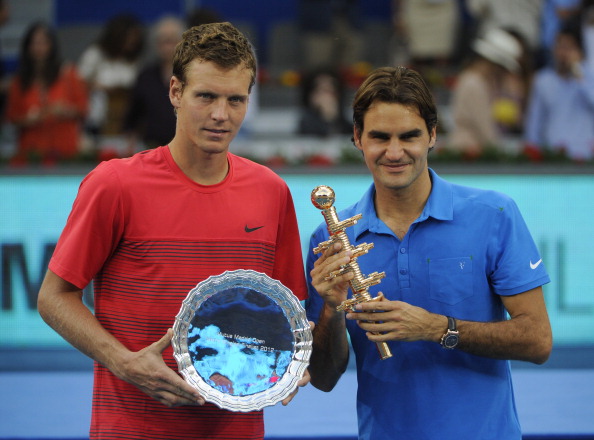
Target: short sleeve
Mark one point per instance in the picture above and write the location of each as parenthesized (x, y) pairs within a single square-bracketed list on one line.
[(518, 265), (93, 229)]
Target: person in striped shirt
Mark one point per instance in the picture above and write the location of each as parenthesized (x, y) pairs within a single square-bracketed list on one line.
[(148, 228)]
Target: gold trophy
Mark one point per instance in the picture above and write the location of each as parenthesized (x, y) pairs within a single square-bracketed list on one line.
[(323, 198)]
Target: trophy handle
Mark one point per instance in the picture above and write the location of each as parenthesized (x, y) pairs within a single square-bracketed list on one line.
[(384, 350), (382, 347)]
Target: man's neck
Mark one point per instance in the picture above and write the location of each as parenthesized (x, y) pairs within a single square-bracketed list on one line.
[(399, 208), (202, 168)]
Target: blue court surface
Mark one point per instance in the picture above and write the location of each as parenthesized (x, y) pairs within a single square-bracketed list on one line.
[(552, 403)]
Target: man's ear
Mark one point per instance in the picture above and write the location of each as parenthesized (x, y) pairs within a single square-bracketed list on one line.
[(357, 138), (432, 138), (175, 92)]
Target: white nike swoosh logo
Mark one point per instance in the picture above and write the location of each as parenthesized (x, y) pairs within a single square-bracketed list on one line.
[(535, 265)]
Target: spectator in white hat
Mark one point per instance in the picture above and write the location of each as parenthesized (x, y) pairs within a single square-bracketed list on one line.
[(475, 103)]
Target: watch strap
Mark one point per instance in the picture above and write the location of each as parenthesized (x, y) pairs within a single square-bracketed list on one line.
[(451, 324), (449, 339)]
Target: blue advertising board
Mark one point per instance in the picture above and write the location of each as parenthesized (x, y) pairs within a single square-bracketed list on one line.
[(557, 209)]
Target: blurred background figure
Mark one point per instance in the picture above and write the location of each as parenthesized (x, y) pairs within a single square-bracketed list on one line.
[(330, 33), (554, 13), (110, 67), (4, 17), (587, 16), (47, 99), (199, 16), (428, 30), (150, 118), (322, 105), (523, 17), (482, 82), (510, 104), (560, 113)]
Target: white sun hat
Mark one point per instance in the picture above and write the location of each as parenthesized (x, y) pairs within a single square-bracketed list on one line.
[(499, 47)]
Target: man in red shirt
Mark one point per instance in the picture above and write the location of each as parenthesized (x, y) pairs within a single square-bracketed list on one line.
[(148, 228)]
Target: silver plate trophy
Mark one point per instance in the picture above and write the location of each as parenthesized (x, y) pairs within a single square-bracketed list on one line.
[(242, 339)]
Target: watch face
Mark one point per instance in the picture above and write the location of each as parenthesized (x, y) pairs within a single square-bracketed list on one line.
[(450, 341)]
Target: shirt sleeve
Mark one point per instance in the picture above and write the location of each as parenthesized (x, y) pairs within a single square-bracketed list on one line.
[(93, 229), (472, 113), (314, 303), (587, 86), (517, 266), (289, 260)]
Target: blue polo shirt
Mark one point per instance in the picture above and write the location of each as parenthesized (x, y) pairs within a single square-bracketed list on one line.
[(467, 248)]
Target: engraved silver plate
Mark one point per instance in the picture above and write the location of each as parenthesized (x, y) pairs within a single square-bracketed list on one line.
[(242, 340)]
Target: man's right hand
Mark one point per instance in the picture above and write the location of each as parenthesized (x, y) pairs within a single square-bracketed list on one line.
[(333, 290), (60, 305), (147, 370)]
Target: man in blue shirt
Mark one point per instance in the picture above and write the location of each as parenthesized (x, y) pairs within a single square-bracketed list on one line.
[(560, 113), (458, 261)]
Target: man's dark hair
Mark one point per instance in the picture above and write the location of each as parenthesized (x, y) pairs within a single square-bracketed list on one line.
[(220, 43), (572, 27), (398, 85)]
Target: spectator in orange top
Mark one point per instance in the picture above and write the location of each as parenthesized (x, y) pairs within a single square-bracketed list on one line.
[(47, 100)]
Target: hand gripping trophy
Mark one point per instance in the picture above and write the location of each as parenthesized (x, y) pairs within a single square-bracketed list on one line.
[(323, 198)]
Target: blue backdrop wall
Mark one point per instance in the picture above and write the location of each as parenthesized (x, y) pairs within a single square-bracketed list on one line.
[(33, 210)]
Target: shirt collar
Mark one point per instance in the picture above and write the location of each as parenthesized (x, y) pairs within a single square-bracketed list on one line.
[(440, 206)]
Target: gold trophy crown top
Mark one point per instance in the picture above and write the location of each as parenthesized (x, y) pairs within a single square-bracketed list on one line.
[(323, 198)]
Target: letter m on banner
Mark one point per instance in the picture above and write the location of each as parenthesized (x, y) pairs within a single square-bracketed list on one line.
[(14, 264)]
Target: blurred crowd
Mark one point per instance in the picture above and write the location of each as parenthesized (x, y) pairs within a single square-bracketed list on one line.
[(502, 71)]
